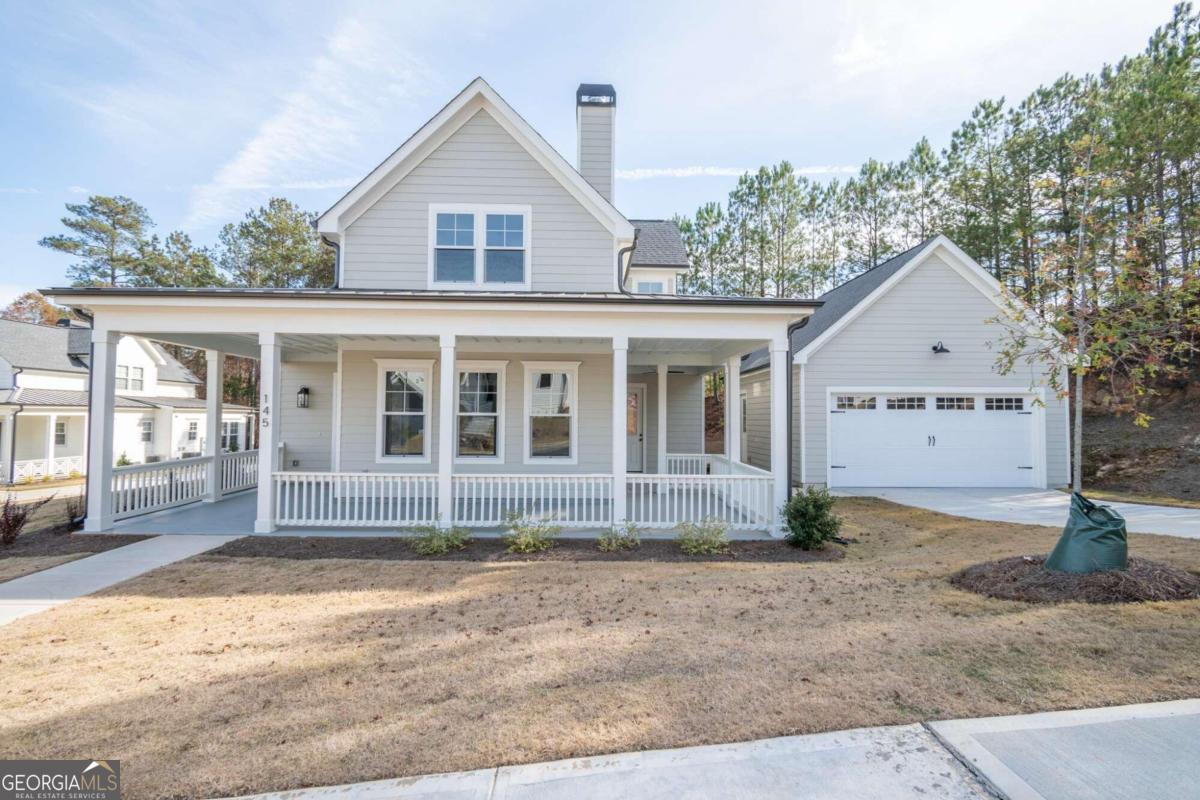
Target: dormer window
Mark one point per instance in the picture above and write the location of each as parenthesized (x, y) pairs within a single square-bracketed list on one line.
[(479, 247)]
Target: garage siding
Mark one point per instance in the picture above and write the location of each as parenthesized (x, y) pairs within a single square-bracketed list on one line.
[(889, 345)]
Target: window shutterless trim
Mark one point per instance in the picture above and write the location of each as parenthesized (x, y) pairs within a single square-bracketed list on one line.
[(480, 249), (382, 367), (571, 368), (500, 368)]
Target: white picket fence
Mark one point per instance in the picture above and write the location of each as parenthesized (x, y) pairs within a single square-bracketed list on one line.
[(143, 488), (355, 499), (572, 501), (239, 471)]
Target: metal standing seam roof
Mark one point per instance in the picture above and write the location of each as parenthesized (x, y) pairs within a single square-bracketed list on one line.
[(77, 398), (836, 303), (658, 244)]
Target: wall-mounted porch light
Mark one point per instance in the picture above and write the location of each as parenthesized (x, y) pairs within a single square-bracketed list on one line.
[(302, 397), (940, 348)]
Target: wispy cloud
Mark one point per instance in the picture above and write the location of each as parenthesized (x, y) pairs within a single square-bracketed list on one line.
[(646, 173), (18, 190), (361, 75), (77, 189)]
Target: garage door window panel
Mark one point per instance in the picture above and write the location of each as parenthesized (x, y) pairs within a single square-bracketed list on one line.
[(955, 404), (1004, 403), (911, 403), (855, 402)]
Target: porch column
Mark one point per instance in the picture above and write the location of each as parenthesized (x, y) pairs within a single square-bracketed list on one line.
[(620, 381), (448, 375), (733, 409), (269, 388), (51, 424), (662, 419), (100, 431), (214, 400), (779, 446)]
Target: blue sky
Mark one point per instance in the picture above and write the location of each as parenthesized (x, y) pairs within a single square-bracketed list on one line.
[(202, 110)]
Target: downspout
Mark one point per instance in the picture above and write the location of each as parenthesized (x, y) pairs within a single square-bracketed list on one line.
[(87, 442), (791, 400), (12, 451), (337, 261), (623, 273)]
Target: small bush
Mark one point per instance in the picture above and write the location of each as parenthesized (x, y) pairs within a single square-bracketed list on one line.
[(14, 515), (810, 519), (123, 460), (529, 535), (73, 511), (432, 541), (705, 538), (625, 537)]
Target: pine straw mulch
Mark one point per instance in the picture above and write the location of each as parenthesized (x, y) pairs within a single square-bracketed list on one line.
[(1024, 578)]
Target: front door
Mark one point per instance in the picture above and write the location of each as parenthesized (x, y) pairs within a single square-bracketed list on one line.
[(635, 428)]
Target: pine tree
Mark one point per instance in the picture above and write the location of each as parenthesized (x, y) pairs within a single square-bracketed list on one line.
[(109, 239)]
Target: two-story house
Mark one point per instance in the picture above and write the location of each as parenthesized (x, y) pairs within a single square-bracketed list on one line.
[(44, 404), (500, 339)]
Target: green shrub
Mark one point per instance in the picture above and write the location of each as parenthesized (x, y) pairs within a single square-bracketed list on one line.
[(703, 538), (432, 541), (625, 537), (529, 535), (123, 460), (810, 519)]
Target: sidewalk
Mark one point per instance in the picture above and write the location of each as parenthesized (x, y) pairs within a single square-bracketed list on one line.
[(1149, 751), (51, 587)]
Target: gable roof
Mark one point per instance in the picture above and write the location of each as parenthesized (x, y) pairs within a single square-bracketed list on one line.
[(659, 244), (477, 95), (170, 369), (31, 346)]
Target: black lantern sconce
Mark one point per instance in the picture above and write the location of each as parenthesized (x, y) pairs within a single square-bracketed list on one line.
[(940, 348), (302, 397)]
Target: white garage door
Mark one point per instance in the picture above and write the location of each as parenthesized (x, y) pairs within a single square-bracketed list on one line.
[(921, 438)]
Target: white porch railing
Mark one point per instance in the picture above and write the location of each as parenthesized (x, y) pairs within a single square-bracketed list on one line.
[(143, 488), (708, 464), (573, 501), (355, 499), (744, 501), (36, 469), (239, 471)]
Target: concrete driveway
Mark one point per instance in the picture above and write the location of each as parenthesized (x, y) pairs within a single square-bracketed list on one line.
[(1035, 507)]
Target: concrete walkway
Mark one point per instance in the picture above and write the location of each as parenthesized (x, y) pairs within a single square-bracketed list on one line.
[(1149, 751), (51, 587), (1035, 507)]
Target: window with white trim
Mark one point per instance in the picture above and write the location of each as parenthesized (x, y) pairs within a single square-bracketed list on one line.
[(1004, 403), (60, 432), (855, 402), (479, 430), (551, 412), (231, 435), (193, 431), (955, 404), (130, 378), (485, 246), (148, 431), (402, 410), (912, 403)]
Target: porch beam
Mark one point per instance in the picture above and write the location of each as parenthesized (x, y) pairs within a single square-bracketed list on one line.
[(445, 485), (100, 431), (620, 384), (661, 397), (733, 409), (780, 365), (269, 390), (214, 400)]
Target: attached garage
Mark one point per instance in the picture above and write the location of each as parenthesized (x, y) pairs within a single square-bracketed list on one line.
[(894, 383)]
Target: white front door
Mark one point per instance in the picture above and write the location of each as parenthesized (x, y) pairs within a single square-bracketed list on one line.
[(635, 429), (922, 438)]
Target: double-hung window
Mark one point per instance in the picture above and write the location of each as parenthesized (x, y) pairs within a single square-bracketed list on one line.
[(130, 378), (193, 431), (479, 433), (148, 431), (479, 246), (231, 434), (402, 416), (551, 412), (60, 433)]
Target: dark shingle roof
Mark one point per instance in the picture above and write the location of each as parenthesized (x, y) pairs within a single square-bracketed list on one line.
[(30, 346), (659, 244), (837, 302)]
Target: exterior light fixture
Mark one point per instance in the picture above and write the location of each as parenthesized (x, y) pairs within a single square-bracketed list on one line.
[(302, 397), (940, 348)]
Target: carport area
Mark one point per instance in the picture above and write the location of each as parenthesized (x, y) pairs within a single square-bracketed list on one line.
[(1033, 507)]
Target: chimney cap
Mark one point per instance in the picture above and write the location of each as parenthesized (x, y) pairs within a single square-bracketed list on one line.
[(596, 94)]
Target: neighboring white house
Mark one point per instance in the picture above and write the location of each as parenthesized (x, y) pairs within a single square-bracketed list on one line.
[(895, 384), (500, 338), (44, 404)]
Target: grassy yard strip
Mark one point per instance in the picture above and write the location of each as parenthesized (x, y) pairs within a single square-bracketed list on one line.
[(45, 543), (229, 674)]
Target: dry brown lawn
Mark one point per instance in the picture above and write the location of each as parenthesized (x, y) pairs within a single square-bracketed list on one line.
[(224, 675)]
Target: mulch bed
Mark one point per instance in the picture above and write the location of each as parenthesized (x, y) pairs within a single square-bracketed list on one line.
[(58, 541), (1024, 578), (398, 549)]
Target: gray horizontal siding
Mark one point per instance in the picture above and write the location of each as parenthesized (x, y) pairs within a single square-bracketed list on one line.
[(307, 432), (387, 247), (596, 147), (757, 389)]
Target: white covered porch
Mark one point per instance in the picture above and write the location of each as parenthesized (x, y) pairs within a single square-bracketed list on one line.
[(586, 428)]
